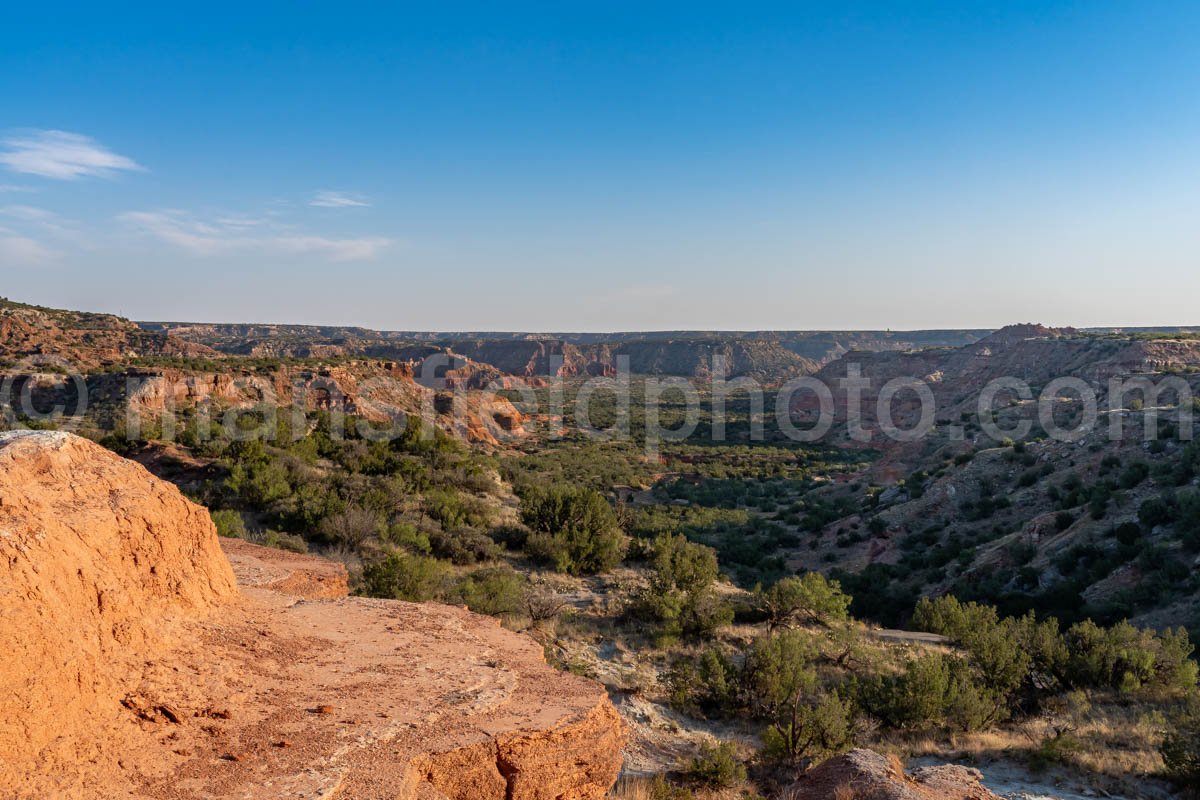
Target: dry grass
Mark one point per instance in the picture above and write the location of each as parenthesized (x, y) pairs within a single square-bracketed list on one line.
[(1118, 741), (1000, 742), (643, 789), (845, 792), (1112, 743), (633, 789)]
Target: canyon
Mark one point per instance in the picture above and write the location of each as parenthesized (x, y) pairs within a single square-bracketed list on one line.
[(158, 661)]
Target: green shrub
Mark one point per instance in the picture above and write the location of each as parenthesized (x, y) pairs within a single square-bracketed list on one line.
[(662, 789), (353, 527), (574, 529), (779, 672), (453, 509), (948, 617), (406, 535), (1130, 659), (1134, 475), (1128, 533), (820, 730), (916, 698), (1054, 750), (259, 482), (1154, 512), (1181, 748), (285, 541), (717, 767), (810, 597), (781, 687), (933, 691), (463, 546), (494, 591), (512, 537), (705, 687), (1010, 656), (1188, 524), (229, 523), (404, 576), (680, 594)]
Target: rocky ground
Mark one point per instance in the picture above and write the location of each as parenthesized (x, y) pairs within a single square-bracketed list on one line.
[(141, 670)]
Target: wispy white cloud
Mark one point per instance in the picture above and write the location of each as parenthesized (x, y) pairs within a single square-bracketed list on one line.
[(32, 220), (19, 250), (27, 213), (61, 155), (227, 235), (177, 228), (240, 221), (11, 187), (333, 249), (329, 199)]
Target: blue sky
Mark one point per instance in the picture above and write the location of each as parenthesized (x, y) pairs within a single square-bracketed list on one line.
[(565, 166)]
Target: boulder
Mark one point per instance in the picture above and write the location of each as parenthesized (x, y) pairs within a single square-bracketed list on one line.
[(867, 775)]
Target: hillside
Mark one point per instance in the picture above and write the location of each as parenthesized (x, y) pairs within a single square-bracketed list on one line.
[(761, 359), (770, 356), (1061, 527), (57, 338), (131, 373), (1033, 355)]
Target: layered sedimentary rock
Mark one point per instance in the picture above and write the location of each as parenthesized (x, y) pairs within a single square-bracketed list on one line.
[(1032, 354), (43, 336), (139, 669), (382, 392)]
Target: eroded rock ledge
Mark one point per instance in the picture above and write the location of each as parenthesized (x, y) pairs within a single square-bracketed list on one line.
[(140, 670)]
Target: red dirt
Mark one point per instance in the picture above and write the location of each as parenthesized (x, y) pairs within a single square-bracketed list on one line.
[(287, 573)]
